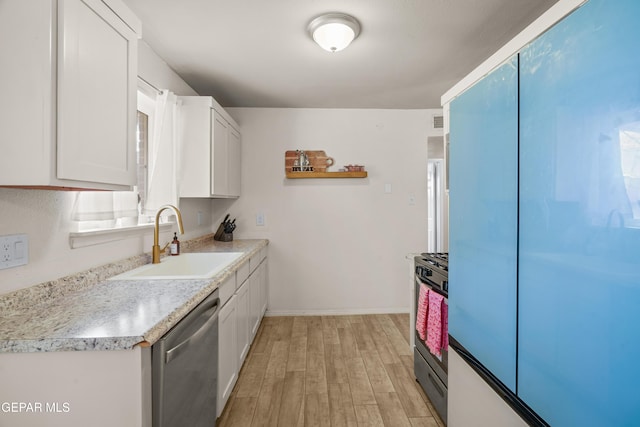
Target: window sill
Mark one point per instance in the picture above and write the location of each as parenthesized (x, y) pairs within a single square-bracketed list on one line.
[(81, 239)]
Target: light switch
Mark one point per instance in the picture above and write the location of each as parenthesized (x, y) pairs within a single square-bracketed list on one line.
[(387, 188), (18, 250)]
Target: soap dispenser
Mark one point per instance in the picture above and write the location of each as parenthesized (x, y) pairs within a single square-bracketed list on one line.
[(174, 248)]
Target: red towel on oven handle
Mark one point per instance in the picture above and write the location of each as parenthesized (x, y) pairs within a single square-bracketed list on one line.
[(435, 324), (421, 312), (445, 326)]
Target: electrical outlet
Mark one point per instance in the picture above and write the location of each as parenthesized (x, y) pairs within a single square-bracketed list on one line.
[(14, 250), (6, 254), (260, 219)]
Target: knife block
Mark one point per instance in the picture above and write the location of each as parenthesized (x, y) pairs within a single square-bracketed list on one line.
[(219, 233), (221, 236)]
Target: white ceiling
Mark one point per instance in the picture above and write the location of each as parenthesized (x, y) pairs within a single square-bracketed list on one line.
[(257, 53)]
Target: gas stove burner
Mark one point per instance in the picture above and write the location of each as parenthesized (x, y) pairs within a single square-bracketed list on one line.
[(434, 268), (437, 259), (436, 255)]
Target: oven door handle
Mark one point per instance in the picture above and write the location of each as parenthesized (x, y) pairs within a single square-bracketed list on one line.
[(432, 286), (427, 282)]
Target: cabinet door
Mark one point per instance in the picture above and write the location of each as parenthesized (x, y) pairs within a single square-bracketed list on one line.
[(26, 87), (483, 220), (196, 152), (227, 351), (219, 153), (243, 322), (264, 288), (254, 303), (97, 63), (233, 167), (579, 276)]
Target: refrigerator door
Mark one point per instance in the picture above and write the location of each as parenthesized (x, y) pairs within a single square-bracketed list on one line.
[(579, 269), (483, 220)]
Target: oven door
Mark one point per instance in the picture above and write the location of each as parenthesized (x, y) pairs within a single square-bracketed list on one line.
[(439, 365)]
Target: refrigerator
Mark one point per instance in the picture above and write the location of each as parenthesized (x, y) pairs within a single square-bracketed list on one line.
[(544, 263)]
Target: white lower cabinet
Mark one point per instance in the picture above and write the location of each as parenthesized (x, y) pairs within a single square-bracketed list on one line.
[(227, 351), (244, 338), (258, 296), (254, 303), (239, 319), (264, 288)]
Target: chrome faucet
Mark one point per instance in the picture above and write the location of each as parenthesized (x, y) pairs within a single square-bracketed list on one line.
[(156, 251)]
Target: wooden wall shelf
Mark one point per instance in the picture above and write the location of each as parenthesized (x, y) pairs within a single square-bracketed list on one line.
[(297, 175)]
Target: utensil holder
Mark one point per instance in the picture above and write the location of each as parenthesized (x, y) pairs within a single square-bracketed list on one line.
[(226, 237), (219, 233)]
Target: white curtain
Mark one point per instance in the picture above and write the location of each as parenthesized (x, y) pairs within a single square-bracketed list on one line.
[(93, 206), (125, 208), (162, 184), (105, 209)]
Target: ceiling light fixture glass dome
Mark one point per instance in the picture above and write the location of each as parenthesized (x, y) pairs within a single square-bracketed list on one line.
[(334, 31)]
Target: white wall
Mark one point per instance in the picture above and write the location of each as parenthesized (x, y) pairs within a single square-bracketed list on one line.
[(45, 216), (336, 245), (155, 71)]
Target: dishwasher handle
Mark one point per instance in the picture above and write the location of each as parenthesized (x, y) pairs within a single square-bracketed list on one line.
[(184, 345)]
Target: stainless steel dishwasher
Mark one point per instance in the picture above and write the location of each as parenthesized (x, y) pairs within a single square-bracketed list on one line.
[(185, 369)]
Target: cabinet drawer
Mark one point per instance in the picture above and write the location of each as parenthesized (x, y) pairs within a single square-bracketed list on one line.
[(227, 289), (243, 273), (435, 389)]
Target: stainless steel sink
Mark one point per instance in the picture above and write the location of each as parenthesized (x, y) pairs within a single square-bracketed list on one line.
[(202, 265)]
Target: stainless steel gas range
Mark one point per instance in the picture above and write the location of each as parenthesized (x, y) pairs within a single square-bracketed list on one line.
[(431, 269)]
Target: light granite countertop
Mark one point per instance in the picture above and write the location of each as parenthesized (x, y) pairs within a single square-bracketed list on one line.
[(85, 311)]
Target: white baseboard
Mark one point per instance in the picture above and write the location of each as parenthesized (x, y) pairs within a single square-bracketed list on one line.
[(340, 312)]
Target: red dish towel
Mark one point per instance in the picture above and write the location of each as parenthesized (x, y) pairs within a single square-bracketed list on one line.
[(435, 324), (445, 326), (421, 312)]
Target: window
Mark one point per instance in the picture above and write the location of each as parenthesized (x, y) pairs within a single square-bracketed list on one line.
[(144, 130)]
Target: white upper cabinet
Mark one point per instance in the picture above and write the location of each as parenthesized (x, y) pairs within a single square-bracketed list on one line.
[(219, 155), (69, 79), (233, 153), (210, 150)]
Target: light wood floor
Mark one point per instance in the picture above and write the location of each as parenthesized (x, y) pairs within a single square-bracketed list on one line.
[(330, 371)]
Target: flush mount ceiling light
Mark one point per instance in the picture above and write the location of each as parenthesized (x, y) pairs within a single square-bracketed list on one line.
[(334, 31)]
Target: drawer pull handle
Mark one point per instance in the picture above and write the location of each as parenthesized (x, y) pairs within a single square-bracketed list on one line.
[(435, 384)]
